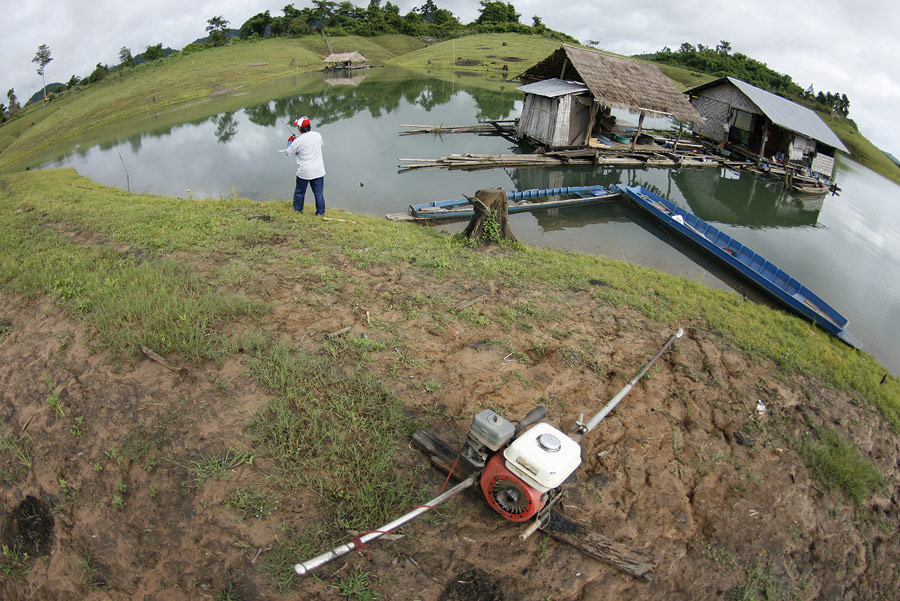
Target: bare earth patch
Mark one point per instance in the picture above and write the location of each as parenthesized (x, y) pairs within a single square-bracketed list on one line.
[(685, 470)]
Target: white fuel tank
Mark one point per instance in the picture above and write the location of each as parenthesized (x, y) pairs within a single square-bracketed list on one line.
[(543, 457)]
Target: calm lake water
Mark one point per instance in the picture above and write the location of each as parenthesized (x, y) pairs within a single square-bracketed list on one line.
[(841, 247)]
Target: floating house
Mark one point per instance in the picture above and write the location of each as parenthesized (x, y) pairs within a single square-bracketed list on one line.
[(759, 124), (345, 60), (569, 93)]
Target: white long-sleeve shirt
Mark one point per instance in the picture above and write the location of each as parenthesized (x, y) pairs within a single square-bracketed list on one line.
[(308, 150)]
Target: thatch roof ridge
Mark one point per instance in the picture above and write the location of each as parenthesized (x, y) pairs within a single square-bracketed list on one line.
[(616, 81), (343, 57)]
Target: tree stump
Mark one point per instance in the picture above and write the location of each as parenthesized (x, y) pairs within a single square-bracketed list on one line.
[(490, 222)]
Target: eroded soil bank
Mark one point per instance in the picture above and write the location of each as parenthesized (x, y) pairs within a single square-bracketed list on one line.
[(686, 469)]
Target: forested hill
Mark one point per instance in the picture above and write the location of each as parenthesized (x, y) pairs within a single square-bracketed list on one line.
[(720, 62)]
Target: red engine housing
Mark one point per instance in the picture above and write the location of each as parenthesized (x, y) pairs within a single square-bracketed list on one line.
[(509, 495)]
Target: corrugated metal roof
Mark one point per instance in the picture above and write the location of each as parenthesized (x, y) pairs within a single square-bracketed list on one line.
[(784, 113), (551, 88)]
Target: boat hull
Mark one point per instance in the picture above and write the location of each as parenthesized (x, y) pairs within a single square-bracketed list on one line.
[(521, 201), (755, 268)]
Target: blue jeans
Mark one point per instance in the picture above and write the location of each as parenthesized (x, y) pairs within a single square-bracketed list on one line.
[(318, 188)]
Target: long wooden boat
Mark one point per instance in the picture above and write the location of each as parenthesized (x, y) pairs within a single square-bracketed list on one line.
[(520, 201), (745, 261)]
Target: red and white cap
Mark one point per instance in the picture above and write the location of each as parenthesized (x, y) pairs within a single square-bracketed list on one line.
[(301, 122)]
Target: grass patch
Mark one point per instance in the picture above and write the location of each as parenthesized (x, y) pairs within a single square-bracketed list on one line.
[(334, 431), (250, 501), (837, 463), (208, 465), (13, 563)]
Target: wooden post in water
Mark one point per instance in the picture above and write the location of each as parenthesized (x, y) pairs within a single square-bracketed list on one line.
[(595, 106), (638, 133), (765, 138), (678, 137)]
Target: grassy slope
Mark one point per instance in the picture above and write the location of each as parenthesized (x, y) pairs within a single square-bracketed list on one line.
[(493, 50), (150, 89), (176, 225)]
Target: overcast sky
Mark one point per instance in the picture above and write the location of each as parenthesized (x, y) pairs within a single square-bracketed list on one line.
[(846, 46)]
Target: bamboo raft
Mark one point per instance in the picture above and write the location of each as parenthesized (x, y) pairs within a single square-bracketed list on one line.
[(590, 156)]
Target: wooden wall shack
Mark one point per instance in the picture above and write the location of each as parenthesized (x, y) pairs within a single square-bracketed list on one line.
[(555, 113), (763, 125)]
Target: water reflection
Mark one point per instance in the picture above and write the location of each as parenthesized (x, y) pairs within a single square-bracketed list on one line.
[(231, 145)]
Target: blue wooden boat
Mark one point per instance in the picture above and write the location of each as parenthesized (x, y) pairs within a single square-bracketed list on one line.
[(751, 265), (525, 200)]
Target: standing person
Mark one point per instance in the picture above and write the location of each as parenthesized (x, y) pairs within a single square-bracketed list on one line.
[(307, 147)]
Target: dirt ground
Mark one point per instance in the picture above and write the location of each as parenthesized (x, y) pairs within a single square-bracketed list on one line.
[(686, 470)]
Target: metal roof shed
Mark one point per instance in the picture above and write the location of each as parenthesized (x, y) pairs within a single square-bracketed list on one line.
[(556, 112), (717, 100)]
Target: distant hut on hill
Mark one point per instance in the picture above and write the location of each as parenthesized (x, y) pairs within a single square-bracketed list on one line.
[(345, 60), (567, 91)]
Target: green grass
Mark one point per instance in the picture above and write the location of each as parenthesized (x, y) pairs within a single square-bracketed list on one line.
[(13, 563), (837, 463), (335, 432), (493, 50), (207, 465), (121, 284)]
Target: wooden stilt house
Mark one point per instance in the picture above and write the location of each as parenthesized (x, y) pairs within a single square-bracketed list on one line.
[(567, 92), (762, 125)]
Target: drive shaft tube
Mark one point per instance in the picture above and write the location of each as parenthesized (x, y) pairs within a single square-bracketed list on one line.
[(305, 568)]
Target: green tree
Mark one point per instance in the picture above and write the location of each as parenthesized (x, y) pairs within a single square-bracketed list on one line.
[(2, 113), (73, 81), (125, 57), (216, 27), (497, 12), (42, 58), (13, 101), (153, 53), (100, 72), (255, 26), (427, 11)]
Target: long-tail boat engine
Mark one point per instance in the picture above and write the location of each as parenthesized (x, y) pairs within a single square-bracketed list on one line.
[(522, 472)]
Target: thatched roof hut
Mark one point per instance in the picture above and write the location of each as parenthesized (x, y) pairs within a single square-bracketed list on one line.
[(344, 59), (615, 81)]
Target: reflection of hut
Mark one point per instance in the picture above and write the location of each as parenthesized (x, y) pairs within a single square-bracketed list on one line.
[(345, 78), (345, 60), (762, 124), (561, 110)]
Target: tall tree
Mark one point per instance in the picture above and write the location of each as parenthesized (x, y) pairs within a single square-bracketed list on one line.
[(42, 58), (216, 28), (125, 57), (13, 101)]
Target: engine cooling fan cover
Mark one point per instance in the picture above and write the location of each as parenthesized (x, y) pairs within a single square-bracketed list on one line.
[(509, 495)]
